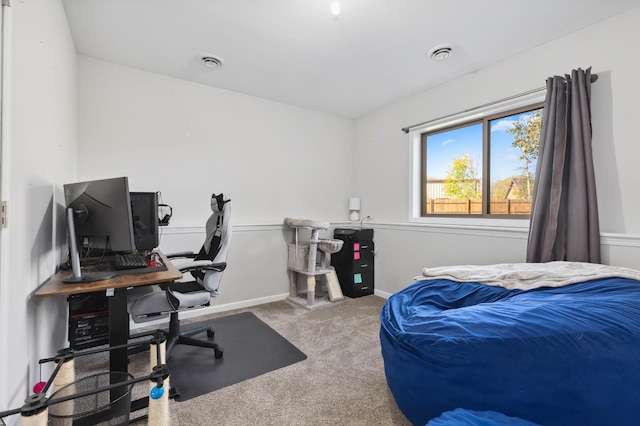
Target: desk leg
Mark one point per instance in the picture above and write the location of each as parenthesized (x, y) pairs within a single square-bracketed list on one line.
[(118, 358), (118, 329)]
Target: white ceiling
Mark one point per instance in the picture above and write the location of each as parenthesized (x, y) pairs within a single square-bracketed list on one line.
[(293, 51)]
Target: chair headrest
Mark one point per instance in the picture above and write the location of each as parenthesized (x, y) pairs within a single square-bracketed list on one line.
[(218, 202)]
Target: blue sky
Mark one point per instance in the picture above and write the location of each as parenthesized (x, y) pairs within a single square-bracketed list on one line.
[(443, 147)]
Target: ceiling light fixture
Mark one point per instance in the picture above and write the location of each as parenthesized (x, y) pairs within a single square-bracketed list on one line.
[(335, 8), (210, 61), (440, 52)]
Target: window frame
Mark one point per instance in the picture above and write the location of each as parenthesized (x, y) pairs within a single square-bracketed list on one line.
[(417, 206), (423, 148)]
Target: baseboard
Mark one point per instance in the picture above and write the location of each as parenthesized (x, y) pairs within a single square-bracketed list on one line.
[(381, 293)]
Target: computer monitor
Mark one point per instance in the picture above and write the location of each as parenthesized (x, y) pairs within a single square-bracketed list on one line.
[(144, 208), (98, 217)]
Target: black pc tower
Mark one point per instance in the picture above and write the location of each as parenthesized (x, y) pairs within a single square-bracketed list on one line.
[(144, 210)]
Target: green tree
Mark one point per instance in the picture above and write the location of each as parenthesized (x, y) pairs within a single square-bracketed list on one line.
[(499, 189), (462, 179), (526, 137)]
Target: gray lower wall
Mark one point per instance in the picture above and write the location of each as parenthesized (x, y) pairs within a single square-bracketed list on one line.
[(257, 261)]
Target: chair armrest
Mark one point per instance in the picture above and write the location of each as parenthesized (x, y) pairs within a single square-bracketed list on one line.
[(218, 267), (181, 254)]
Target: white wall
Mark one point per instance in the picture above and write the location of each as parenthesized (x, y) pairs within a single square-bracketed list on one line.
[(189, 141), (42, 156), (382, 153)]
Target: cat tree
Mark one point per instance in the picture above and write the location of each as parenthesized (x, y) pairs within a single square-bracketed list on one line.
[(312, 260)]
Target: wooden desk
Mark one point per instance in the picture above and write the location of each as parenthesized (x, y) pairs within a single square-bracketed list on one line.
[(116, 289)]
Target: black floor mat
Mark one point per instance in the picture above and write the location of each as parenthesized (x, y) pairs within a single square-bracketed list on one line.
[(251, 348)]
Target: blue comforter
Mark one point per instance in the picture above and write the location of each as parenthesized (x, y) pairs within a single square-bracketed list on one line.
[(460, 417), (553, 356)]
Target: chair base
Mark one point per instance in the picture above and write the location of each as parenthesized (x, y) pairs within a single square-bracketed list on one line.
[(177, 337)]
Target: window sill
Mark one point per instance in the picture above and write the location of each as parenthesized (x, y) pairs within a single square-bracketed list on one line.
[(465, 222), (511, 228)]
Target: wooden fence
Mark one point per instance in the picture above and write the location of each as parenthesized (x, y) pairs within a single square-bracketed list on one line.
[(467, 206)]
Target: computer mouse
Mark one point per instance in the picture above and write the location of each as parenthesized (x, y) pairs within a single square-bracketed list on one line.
[(154, 261)]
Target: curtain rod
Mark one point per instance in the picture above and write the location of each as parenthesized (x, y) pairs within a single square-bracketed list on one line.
[(593, 78)]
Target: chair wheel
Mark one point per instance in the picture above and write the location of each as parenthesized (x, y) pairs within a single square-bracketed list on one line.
[(218, 353), (211, 334), (173, 393)]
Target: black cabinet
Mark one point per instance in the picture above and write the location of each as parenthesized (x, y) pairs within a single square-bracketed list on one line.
[(354, 262)]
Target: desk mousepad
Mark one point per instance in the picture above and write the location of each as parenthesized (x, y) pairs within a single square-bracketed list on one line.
[(251, 348)]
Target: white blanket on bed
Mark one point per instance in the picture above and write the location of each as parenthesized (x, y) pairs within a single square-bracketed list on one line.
[(526, 276)]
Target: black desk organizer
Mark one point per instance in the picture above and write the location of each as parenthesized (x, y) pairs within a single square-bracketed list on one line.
[(88, 320), (354, 263)]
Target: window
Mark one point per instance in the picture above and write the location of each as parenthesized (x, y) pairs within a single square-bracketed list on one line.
[(483, 167)]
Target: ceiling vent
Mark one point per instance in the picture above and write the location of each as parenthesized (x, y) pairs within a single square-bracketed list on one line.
[(211, 62), (440, 53)]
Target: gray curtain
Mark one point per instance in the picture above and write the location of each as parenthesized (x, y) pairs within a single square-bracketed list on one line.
[(564, 219)]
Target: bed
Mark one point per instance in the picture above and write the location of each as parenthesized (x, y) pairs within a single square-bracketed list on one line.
[(553, 344)]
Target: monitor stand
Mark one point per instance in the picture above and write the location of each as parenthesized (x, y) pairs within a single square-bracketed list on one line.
[(77, 277)]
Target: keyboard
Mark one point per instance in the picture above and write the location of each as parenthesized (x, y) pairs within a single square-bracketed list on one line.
[(130, 261)]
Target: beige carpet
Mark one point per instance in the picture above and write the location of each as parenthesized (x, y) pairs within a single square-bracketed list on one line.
[(341, 382)]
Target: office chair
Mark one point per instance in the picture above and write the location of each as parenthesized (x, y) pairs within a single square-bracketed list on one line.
[(202, 273)]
